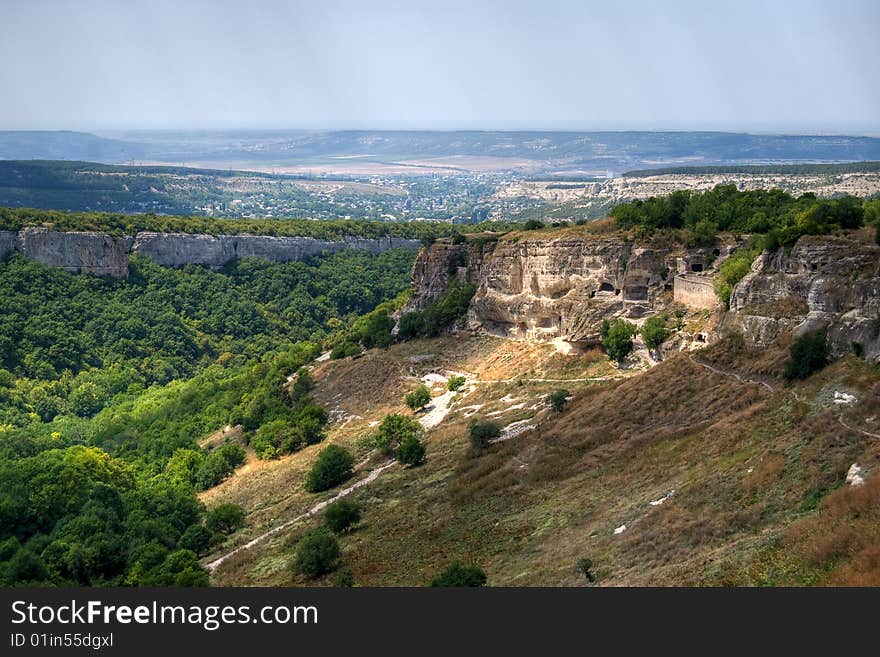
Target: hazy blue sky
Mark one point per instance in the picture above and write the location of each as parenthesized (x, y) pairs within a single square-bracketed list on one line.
[(798, 65)]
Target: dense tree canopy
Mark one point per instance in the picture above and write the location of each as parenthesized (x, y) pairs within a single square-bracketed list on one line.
[(107, 385), (782, 217)]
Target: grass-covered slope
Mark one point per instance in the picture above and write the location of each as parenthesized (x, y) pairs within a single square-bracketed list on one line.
[(706, 469)]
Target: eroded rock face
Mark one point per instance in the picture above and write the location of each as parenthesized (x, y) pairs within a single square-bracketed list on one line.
[(549, 289), (178, 249), (8, 242), (539, 288), (95, 253), (98, 253), (823, 282)]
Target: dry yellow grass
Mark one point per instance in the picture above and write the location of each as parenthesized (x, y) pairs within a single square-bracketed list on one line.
[(728, 465)]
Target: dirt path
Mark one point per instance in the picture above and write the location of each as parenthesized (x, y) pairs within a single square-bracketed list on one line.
[(772, 389), (524, 380), (733, 374), (315, 509), (861, 431)]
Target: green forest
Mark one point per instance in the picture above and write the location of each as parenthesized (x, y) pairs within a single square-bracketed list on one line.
[(107, 385), (330, 229), (779, 217)]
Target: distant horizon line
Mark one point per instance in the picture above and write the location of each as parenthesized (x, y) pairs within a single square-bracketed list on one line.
[(855, 132)]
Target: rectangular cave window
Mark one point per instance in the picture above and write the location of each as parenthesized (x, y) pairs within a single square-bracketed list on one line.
[(636, 293), (697, 266)]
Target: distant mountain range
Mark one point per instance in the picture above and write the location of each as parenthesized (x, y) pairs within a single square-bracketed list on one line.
[(538, 151)]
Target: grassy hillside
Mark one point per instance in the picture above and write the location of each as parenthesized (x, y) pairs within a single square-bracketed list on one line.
[(705, 469)]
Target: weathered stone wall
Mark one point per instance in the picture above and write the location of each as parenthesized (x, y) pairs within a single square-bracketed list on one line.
[(823, 282), (95, 253), (98, 253), (694, 291), (8, 242), (544, 288)]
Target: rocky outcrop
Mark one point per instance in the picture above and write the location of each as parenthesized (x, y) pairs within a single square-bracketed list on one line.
[(95, 253), (8, 242), (540, 288), (823, 282), (563, 287), (99, 253)]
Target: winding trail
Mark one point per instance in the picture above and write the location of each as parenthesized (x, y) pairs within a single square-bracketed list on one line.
[(315, 509), (734, 375), (525, 380), (794, 394), (861, 431)]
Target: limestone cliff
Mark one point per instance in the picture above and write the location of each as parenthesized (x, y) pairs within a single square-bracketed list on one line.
[(557, 287), (99, 253), (95, 253), (537, 287), (822, 282)]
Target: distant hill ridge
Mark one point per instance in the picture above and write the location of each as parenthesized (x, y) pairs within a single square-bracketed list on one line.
[(619, 151), (789, 169)]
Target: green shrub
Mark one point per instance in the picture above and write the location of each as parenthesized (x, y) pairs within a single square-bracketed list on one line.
[(450, 307), (617, 338), (418, 398), (703, 233), (459, 575), (533, 224), (332, 467), (732, 271), (225, 519), (680, 314), (342, 515), (317, 554), (344, 349), (395, 428), (196, 538), (455, 383), (558, 399), (808, 354), (411, 451), (654, 332), (302, 385), (430, 321), (376, 331), (585, 565), (411, 325), (483, 432), (343, 578)]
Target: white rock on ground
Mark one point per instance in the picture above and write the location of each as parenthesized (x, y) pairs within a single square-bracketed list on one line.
[(434, 379), (619, 530), (855, 476), (662, 499), (514, 429)]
